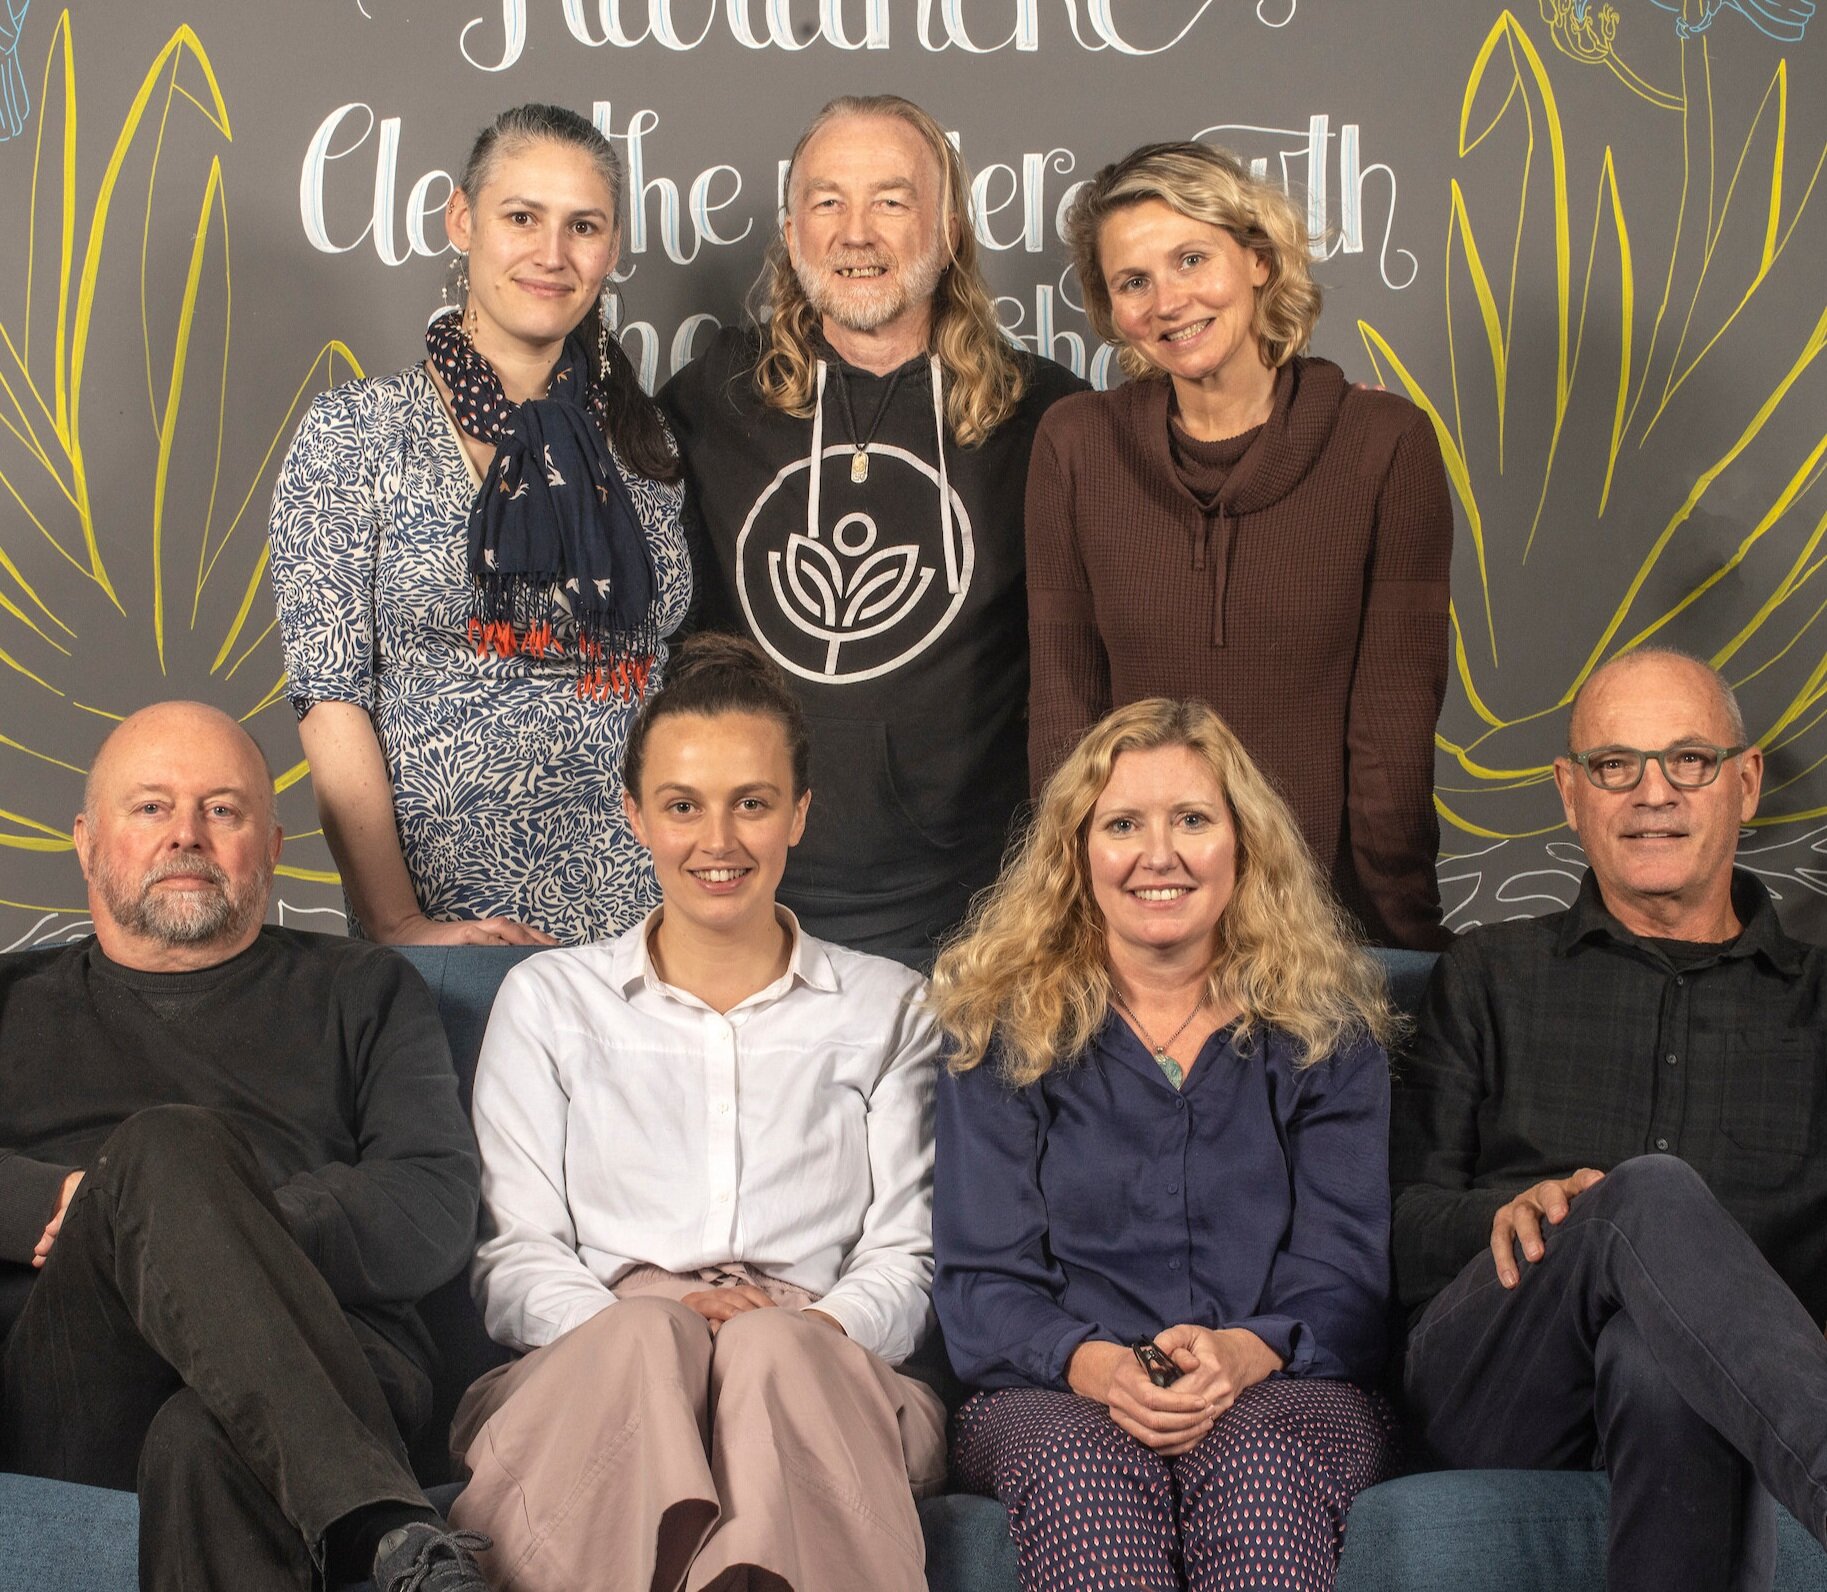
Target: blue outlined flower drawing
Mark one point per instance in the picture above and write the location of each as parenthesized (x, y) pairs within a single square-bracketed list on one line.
[(15, 97), (1783, 20)]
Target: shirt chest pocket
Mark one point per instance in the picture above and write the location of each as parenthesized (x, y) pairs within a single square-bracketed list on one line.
[(1767, 1101)]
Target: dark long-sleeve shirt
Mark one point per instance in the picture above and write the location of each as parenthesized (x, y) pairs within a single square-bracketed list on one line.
[(1101, 1203), (325, 1054), (1564, 1041)]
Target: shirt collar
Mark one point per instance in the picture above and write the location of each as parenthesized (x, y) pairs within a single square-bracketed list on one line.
[(808, 960), (1588, 921)]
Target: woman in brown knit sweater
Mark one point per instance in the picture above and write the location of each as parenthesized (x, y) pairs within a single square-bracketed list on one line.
[(1242, 525)]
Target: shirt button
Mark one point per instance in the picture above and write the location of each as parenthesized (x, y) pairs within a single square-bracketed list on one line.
[(1661, 1144), (724, 1110), (1173, 1265), (1680, 979), (1671, 1059), (1173, 1188)]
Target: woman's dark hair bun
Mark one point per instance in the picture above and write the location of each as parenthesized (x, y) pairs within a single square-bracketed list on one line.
[(711, 672)]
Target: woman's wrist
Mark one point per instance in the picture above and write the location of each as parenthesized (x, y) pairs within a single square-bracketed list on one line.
[(1091, 1367), (1259, 1360), (395, 928)]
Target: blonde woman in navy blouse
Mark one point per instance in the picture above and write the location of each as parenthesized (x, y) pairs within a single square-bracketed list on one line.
[(1163, 1144)]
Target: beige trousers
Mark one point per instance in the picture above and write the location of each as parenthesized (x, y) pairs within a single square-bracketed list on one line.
[(639, 1453)]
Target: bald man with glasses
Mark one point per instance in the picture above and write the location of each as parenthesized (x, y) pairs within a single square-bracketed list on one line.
[(1610, 1163)]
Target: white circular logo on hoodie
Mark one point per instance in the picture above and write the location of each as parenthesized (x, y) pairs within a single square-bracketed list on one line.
[(844, 600)]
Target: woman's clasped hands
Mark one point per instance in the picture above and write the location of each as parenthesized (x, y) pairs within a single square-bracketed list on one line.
[(1214, 1365)]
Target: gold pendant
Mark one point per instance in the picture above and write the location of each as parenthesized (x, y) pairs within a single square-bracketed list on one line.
[(859, 467)]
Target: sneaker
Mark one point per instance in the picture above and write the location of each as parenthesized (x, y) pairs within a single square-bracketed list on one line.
[(421, 1558)]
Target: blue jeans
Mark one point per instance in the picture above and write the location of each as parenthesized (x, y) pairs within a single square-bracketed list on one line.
[(1652, 1339)]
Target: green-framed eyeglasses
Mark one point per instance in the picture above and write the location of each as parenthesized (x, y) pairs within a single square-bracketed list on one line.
[(1692, 765)]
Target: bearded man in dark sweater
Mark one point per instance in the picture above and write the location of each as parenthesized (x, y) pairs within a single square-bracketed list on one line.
[(855, 473), (234, 1159), (1610, 1157)]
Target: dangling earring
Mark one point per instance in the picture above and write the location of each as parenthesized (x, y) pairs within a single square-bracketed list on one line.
[(605, 308), (454, 289)]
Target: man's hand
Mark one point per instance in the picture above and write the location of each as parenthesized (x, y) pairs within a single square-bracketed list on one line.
[(718, 1305), (1218, 1365), (41, 1251), (1162, 1418), (1520, 1222)]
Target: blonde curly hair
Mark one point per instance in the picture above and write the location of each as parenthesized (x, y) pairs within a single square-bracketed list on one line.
[(1030, 971), (984, 381), (1212, 186)]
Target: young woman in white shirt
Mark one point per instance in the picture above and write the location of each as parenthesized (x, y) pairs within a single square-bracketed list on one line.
[(707, 1184)]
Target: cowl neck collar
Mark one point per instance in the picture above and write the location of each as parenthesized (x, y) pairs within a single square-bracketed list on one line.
[(1308, 393)]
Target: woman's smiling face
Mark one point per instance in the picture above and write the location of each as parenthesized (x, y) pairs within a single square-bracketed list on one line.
[(541, 237), (1182, 292), (1162, 852), (717, 810)]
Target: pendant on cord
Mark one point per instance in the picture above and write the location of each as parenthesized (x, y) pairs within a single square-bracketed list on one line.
[(860, 440)]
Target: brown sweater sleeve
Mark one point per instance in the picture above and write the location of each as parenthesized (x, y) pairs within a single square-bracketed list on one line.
[(1069, 679), (1397, 687)]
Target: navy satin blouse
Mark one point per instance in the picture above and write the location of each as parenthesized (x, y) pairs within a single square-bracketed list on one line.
[(1102, 1203)]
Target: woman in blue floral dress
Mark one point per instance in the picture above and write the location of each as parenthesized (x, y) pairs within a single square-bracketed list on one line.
[(477, 563)]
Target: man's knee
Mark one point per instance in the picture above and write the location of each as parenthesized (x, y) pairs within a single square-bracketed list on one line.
[(174, 1137), (1652, 1180), (1645, 1191)]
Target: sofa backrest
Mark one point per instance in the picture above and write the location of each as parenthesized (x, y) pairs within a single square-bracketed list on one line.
[(464, 980)]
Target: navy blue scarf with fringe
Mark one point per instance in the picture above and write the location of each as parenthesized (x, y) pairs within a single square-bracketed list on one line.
[(553, 526)]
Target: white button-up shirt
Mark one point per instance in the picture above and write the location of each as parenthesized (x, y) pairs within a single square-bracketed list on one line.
[(623, 1121)]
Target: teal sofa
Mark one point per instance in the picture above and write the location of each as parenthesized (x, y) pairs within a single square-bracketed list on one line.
[(1445, 1531)]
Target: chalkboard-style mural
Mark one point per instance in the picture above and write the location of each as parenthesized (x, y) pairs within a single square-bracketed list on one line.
[(1584, 236)]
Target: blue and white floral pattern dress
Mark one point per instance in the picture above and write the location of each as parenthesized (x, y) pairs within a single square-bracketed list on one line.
[(507, 785)]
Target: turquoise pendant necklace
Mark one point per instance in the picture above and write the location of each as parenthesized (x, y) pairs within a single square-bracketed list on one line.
[(1175, 1073)]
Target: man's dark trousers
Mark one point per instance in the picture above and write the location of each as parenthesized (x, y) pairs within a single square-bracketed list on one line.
[(1654, 1339), (178, 1340)]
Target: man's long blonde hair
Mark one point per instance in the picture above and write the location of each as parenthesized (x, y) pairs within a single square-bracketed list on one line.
[(984, 382), (1030, 970)]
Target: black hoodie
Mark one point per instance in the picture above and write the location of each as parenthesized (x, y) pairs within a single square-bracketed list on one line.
[(906, 636)]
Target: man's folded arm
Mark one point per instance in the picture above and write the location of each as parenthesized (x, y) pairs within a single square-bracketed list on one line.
[(401, 1219)]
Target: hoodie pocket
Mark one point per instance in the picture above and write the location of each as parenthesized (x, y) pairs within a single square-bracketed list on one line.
[(859, 819)]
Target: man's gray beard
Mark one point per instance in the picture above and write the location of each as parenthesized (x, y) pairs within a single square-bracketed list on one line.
[(861, 309), (183, 917)]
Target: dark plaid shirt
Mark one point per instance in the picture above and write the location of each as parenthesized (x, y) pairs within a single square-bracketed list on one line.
[(1565, 1041)]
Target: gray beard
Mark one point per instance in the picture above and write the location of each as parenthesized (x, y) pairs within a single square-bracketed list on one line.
[(860, 308), (188, 917)]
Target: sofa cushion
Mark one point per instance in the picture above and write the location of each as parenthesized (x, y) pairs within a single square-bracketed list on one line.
[(1508, 1531), (58, 1537)]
